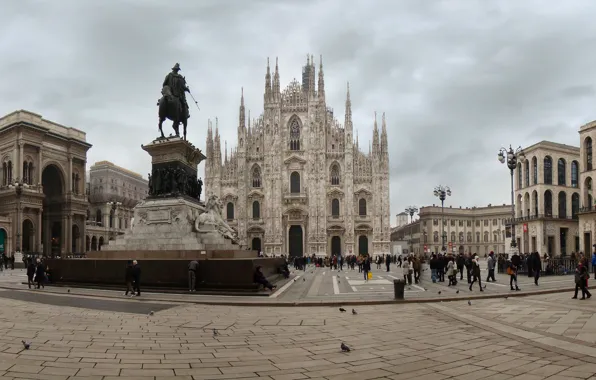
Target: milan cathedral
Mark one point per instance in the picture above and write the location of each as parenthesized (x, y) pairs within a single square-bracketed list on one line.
[(297, 182)]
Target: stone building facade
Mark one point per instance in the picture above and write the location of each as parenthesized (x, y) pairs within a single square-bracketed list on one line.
[(113, 193), (468, 230), (587, 175), (43, 205), (547, 199), (297, 182)]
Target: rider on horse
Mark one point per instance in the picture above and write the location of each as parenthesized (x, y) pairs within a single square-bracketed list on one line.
[(177, 85)]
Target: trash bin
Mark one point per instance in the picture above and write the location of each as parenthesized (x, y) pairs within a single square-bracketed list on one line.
[(398, 289)]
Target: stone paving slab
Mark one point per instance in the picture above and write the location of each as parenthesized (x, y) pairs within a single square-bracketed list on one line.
[(445, 340)]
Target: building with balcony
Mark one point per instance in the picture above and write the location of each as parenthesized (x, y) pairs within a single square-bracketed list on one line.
[(547, 199), (113, 193), (42, 189), (297, 182), (467, 230)]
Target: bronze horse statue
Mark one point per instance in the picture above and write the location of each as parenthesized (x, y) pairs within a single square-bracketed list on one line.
[(170, 107)]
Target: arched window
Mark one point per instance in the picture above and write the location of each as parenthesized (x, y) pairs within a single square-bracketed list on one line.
[(469, 237), (25, 172), (561, 171), (495, 237), (9, 173), (461, 237), (30, 173), (362, 207), (477, 237), (588, 149), (535, 171), (4, 174), (588, 193), (295, 183), (527, 172), (519, 176), (574, 173), (335, 174), (548, 203), (548, 170), (562, 205), (256, 210), (98, 216), (295, 135), (256, 177), (230, 211), (436, 237), (453, 236), (535, 202), (335, 207), (111, 218), (574, 205), (486, 236), (88, 214)]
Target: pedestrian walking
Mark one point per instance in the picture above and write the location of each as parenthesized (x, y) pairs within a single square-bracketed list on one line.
[(193, 268)]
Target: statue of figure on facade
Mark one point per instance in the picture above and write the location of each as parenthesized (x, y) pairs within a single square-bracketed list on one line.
[(172, 104), (199, 188), (150, 184)]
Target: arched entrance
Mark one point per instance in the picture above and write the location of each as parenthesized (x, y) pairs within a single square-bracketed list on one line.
[(28, 234), (295, 244), (100, 243), (94, 243), (335, 245), (75, 239), (87, 243), (3, 240), (52, 180), (256, 244), (363, 245)]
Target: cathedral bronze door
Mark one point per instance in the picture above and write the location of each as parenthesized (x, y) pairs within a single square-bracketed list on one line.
[(363, 245), (295, 246), (256, 244), (336, 245)]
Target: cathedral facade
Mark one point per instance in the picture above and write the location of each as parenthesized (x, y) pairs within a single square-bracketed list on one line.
[(297, 182)]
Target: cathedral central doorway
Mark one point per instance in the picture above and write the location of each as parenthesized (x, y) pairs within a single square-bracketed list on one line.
[(256, 244), (336, 245), (27, 244), (295, 246)]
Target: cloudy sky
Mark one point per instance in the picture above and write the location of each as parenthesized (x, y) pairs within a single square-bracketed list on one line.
[(456, 79)]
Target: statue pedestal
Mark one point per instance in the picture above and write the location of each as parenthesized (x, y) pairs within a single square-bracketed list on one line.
[(171, 218)]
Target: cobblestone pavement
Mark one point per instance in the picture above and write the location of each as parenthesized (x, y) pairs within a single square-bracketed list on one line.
[(323, 285), (488, 339)]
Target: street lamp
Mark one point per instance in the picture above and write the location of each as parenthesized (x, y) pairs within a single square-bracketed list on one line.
[(411, 210), (512, 158), (442, 192), (18, 186)]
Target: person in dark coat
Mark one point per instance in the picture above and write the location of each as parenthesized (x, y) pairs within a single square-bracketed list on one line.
[(537, 266), (366, 267), (476, 273), (30, 273), (460, 261), (40, 274), (129, 278), (581, 280), (260, 278), (136, 275), (514, 265)]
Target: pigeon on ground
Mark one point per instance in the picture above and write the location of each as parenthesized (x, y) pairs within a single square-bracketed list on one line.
[(354, 311), (342, 309), (457, 292), (484, 286), (425, 289), (304, 279), (439, 292), (409, 288), (27, 345), (68, 291), (345, 348), (469, 303), (215, 332), (506, 297), (339, 282), (151, 312)]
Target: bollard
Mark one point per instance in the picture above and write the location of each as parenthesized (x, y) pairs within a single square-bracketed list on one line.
[(398, 289)]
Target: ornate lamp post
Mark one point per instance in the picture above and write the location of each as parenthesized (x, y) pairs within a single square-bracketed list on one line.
[(512, 157), (442, 192), (18, 185), (411, 210)]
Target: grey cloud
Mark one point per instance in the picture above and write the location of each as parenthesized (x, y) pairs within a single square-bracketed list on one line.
[(456, 79)]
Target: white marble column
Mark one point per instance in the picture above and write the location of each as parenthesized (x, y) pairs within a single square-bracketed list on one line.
[(20, 161), (38, 232), (39, 165), (69, 180)]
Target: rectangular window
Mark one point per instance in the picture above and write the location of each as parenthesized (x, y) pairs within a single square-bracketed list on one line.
[(477, 223), (486, 223), (494, 222), (453, 223), (469, 223), (461, 223), (435, 222)]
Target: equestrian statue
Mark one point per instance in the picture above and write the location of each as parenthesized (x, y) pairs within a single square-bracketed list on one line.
[(172, 104)]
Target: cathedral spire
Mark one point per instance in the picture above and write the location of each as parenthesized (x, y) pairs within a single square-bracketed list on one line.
[(375, 142), (321, 88), (384, 148), (226, 150), (268, 83), (242, 118), (276, 87), (248, 119), (348, 121), (311, 79)]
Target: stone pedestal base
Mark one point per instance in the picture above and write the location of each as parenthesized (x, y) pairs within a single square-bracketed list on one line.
[(168, 224)]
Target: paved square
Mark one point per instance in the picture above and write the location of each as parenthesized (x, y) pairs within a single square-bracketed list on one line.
[(538, 337)]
